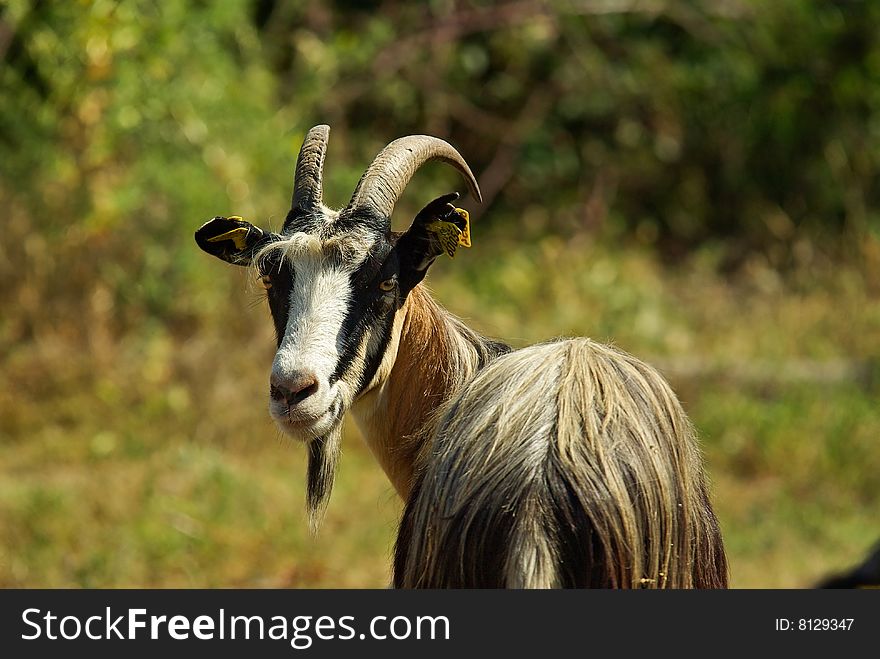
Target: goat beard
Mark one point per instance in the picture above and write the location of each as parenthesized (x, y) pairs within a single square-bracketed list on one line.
[(323, 458)]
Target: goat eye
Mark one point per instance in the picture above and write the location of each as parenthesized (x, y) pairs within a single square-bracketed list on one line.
[(266, 281), (387, 285)]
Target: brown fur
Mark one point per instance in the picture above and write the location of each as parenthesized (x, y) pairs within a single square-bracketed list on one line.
[(436, 355)]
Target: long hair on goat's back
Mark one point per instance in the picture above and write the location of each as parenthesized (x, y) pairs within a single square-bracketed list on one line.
[(566, 464)]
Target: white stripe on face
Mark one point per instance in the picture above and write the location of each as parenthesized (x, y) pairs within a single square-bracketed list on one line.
[(319, 300), (312, 345)]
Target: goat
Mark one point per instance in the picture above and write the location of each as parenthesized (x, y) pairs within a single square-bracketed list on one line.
[(357, 331)]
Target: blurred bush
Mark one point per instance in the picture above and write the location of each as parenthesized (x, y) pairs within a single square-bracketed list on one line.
[(669, 123), (674, 123)]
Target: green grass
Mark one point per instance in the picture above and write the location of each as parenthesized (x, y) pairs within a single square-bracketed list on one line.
[(146, 457)]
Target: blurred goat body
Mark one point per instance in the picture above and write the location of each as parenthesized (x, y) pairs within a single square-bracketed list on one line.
[(567, 464), (864, 575)]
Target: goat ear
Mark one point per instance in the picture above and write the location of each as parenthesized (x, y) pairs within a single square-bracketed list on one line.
[(439, 227), (229, 238)]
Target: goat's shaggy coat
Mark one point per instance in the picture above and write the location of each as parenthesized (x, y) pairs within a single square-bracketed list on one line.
[(568, 464)]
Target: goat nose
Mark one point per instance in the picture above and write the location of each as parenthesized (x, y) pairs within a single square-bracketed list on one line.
[(293, 389)]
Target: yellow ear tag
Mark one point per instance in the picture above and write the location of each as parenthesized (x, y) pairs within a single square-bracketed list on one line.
[(465, 238), (449, 235), (237, 236)]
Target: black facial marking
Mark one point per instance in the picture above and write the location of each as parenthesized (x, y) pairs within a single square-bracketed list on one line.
[(370, 308), (281, 278), (374, 360)]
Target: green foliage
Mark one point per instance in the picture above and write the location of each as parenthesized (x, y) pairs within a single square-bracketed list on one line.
[(680, 123)]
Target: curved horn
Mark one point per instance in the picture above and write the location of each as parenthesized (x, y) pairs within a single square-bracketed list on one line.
[(307, 188), (385, 179)]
